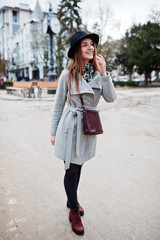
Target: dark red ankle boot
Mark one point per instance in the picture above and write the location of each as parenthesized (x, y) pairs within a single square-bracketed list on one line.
[(75, 219), (81, 210)]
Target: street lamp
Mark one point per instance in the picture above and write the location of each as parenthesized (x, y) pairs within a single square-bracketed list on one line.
[(51, 26)]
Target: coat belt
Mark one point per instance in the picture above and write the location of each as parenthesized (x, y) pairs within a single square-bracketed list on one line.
[(76, 112)]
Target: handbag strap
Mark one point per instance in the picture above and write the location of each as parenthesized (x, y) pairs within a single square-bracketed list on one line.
[(80, 95)]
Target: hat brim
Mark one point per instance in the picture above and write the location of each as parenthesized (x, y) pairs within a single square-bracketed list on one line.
[(93, 36)]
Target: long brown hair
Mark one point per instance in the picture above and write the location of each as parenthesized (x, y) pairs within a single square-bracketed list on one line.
[(77, 64)]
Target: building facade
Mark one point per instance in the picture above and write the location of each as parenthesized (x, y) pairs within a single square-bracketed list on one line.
[(23, 45)]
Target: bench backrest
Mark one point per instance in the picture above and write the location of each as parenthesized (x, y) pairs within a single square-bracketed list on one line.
[(47, 84), (22, 84)]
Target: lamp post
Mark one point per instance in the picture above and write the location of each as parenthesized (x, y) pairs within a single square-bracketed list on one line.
[(52, 27), (52, 74)]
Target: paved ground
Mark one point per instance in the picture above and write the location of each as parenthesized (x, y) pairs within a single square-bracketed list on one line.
[(119, 188)]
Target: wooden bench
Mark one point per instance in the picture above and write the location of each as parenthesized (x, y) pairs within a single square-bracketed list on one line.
[(25, 88), (50, 86)]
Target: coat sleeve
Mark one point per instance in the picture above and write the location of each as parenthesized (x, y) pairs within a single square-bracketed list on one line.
[(59, 103), (108, 90)]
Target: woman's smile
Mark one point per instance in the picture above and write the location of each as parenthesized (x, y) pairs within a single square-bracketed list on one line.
[(87, 49)]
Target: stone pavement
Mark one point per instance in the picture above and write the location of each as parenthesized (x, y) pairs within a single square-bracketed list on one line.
[(119, 188)]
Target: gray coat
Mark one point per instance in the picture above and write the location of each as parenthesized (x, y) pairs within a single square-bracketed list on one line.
[(71, 145)]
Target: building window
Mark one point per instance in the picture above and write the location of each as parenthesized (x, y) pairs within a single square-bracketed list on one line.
[(15, 16), (27, 70), (15, 28), (3, 16)]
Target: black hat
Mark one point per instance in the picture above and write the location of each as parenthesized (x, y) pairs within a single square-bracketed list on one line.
[(77, 38)]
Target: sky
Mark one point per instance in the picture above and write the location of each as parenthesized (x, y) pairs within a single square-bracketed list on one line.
[(122, 13)]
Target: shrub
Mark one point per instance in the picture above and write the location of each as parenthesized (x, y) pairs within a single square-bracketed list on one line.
[(128, 84), (5, 84)]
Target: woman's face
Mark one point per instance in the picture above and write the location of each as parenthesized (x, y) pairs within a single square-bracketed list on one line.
[(87, 49)]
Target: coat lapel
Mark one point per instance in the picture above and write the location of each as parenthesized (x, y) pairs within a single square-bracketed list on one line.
[(85, 87), (96, 81)]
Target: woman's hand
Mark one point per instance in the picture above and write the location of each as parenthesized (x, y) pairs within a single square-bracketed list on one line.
[(53, 139), (102, 64)]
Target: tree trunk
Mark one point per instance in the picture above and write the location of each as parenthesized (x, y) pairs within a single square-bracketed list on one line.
[(157, 75), (147, 75)]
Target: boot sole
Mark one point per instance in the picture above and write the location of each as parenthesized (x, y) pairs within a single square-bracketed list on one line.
[(79, 233)]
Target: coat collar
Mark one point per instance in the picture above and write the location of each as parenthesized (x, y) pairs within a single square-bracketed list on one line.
[(85, 87)]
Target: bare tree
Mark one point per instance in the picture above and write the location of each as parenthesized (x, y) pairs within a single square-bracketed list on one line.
[(103, 15), (155, 16), (105, 46)]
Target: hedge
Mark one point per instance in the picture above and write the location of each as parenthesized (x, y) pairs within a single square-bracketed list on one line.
[(128, 84), (5, 84)]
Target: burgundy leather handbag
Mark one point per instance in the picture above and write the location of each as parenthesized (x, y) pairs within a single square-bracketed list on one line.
[(91, 121)]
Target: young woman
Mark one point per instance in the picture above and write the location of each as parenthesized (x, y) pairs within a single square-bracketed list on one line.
[(86, 74)]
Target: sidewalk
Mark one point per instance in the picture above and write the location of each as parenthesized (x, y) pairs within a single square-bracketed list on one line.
[(119, 188)]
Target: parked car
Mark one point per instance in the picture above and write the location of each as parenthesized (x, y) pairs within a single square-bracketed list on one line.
[(153, 78), (121, 79), (138, 79)]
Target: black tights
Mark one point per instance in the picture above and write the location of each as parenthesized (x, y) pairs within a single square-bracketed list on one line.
[(71, 181)]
